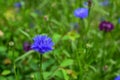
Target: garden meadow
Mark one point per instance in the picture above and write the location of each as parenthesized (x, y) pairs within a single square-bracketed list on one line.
[(59, 40)]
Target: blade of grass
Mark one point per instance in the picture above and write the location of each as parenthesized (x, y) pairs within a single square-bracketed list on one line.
[(24, 55)]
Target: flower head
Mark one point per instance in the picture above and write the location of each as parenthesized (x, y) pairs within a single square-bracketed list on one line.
[(117, 78), (81, 12), (17, 5), (105, 3), (42, 44), (26, 46), (106, 26), (85, 4)]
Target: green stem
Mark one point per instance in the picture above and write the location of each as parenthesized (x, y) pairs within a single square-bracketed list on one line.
[(41, 74), (15, 72), (79, 66), (103, 56), (14, 65), (77, 58)]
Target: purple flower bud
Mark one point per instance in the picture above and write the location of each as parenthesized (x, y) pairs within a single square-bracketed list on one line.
[(106, 26), (26, 46), (81, 13)]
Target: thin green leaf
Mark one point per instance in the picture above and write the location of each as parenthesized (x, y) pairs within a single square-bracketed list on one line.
[(24, 55)]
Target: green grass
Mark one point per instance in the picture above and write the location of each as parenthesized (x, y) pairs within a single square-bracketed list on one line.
[(83, 53)]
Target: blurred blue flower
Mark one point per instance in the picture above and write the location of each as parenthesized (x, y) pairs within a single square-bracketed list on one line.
[(75, 26), (104, 3), (85, 4), (17, 5), (38, 12), (102, 19), (81, 13), (119, 20), (32, 25), (117, 78), (42, 44), (26, 46)]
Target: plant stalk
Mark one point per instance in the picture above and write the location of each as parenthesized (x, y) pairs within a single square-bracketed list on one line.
[(41, 73)]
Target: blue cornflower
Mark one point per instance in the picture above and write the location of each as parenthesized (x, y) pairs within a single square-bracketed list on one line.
[(119, 20), (42, 44), (104, 3), (85, 4), (81, 12), (17, 5), (117, 78)]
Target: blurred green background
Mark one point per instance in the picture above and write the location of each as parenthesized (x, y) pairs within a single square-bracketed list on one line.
[(81, 51)]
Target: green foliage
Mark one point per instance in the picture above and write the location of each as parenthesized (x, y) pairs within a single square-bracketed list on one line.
[(81, 52), (6, 72)]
